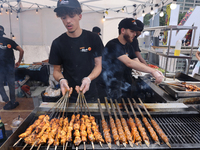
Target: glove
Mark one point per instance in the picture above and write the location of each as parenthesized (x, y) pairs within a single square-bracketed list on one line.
[(64, 86), (85, 84), (158, 76)]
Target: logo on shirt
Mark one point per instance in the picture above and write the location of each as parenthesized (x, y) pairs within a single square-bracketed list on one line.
[(83, 49), (64, 2), (9, 46)]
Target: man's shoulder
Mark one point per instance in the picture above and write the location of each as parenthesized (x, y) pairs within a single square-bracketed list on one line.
[(89, 33), (113, 42)]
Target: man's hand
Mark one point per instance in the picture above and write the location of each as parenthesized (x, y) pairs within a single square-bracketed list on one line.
[(158, 75), (85, 84), (64, 86), (17, 64)]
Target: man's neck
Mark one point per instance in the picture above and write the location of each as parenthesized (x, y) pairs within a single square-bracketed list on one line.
[(121, 39), (75, 34)]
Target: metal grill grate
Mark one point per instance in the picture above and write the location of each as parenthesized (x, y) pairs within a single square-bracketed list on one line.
[(183, 131)]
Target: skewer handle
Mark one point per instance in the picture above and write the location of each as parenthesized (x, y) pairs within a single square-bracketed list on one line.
[(113, 109), (145, 109), (132, 108), (126, 108), (107, 107), (138, 108), (102, 116), (117, 106)]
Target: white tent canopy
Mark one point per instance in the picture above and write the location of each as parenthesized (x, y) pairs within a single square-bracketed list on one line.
[(100, 6), (35, 32)]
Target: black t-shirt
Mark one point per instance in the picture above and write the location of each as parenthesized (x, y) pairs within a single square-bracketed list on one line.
[(7, 58), (113, 69), (76, 55), (135, 45)]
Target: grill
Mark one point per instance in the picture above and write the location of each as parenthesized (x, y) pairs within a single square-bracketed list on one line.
[(182, 129)]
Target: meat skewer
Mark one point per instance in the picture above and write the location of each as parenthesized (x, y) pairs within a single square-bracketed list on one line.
[(106, 130), (134, 132), (156, 126), (148, 126), (112, 124), (95, 128), (139, 125), (122, 136), (83, 131), (124, 124)]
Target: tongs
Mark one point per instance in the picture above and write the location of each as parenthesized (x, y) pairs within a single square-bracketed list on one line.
[(177, 86)]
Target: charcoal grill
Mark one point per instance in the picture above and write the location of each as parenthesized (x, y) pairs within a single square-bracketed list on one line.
[(182, 129)]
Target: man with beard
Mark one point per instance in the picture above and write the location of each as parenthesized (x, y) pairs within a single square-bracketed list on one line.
[(117, 55), (77, 51), (130, 89)]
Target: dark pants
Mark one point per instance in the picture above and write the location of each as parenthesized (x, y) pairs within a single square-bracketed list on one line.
[(9, 77)]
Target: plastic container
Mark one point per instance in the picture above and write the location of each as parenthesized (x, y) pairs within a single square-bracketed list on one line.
[(177, 50), (49, 98), (16, 123)]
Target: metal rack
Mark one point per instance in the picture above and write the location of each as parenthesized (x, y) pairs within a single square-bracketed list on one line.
[(168, 55)]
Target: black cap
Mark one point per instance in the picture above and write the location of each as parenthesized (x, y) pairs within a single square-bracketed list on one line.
[(2, 30), (67, 4), (96, 30), (129, 23), (140, 24)]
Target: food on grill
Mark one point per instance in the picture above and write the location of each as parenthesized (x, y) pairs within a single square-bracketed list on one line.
[(89, 129), (114, 130), (134, 132), (83, 130), (33, 126), (142, 130), (122, 136), (64, 132), (160, 131), (126, 129), (95, 129), (70, 129), (77, 135), (106, 131), (150, 129)]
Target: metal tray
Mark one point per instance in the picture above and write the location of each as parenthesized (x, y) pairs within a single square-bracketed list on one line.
[(182, 94)]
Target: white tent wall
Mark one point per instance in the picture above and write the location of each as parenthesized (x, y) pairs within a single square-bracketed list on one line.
[(35, 32)]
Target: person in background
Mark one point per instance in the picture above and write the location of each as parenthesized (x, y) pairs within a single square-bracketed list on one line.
[(77, 52), (135, 43), (115, 59), (7, 68), (96, 30), (196, 68)]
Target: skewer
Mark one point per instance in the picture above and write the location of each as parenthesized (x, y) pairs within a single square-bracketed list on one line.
[(153, 122), (66, 145), (120, 130), (125, 126), (39, 147), (102, 117), (148, 126), (109, 113), (139, 128), (24, 146), (17, 142), (48, 146), (33, 145), (84, 145), (136, 135)]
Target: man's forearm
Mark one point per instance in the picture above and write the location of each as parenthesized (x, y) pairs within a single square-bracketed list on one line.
[(57, 74)]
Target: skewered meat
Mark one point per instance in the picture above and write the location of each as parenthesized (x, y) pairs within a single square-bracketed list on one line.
[(122, 136), (114, 129), (159, 131), (134, 132), (95, 128), (142, 130), (106, 131), (150, 129), (77, 135), (126, 129)]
